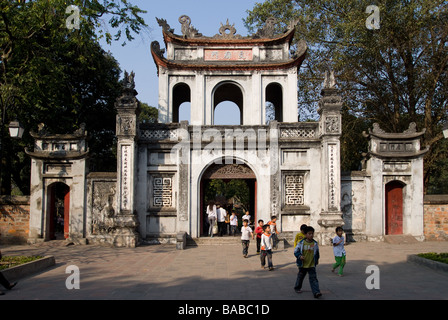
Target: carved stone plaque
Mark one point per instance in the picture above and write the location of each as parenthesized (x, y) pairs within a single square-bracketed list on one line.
[(229, 171), (125, 177), (228, 55)]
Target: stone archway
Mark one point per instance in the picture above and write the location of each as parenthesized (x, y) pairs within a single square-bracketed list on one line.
[(229, 92), (227, 173)]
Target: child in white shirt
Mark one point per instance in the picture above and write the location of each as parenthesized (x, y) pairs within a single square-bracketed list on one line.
[(266, 247), (339, 251), (233, 223), (246, 233)]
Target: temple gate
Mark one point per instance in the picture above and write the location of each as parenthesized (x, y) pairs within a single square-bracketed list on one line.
[(294, 167)]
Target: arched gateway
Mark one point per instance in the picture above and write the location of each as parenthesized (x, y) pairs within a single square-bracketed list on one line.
[(288, 166), (291, 168), (228, 173)]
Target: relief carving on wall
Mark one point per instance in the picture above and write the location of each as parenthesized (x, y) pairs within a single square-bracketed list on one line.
[(103, 208), (162, 191), (126, 126), (293, 185), (229, 171), (332, 124), (297, 133)]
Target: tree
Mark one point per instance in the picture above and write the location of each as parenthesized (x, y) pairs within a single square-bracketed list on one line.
[(148, 114), (59, 76), (393, 75), (238, 188)]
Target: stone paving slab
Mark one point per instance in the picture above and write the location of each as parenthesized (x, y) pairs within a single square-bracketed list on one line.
[(161, 272)]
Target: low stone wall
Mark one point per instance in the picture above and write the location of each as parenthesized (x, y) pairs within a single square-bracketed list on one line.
[(29, 268), (436, 217), (14, 219)]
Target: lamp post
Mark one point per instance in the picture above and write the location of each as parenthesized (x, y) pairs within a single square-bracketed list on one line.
[(16, 129)]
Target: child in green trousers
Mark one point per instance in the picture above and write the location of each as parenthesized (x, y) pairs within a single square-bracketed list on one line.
[(339, 252)]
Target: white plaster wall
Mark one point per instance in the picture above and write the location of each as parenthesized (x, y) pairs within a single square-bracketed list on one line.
[(141, 196), (36, 200), (312, 187), (353, 203), (416, 224), (375, 212), (161, 225)]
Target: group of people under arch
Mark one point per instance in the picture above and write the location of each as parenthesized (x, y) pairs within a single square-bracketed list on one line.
[(226, 218)]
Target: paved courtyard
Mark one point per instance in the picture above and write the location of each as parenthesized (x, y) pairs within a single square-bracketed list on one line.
[(219, 272)]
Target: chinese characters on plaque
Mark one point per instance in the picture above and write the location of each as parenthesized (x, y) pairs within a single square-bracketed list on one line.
[(125, 177), (228, 55), (332, 176)]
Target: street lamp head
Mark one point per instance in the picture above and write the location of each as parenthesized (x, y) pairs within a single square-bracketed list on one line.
[(16, 130), (445, 130)]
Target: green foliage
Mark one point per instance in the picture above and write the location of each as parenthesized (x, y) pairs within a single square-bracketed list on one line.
[(148, 114), (438, 170), (393, 76), (12, 261), (440, 257), (59, 76), (217, 188)]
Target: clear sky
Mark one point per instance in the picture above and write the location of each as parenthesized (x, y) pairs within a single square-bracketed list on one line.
[(206, 16)]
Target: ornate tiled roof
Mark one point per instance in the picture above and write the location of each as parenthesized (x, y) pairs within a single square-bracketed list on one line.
[(227, 50)]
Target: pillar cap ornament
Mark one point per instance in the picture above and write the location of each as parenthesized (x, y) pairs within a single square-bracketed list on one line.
[(128, 98)]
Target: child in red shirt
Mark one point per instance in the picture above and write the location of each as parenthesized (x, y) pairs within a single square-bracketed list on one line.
[(259, 232), (274, 232)]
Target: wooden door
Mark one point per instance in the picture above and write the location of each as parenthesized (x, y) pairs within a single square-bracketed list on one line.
[(66, 212), (58, 194), (394, 208), (51, 214)]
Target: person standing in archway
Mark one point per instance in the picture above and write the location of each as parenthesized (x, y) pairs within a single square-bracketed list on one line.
[(233, 223), (211, 213), (221, 216)]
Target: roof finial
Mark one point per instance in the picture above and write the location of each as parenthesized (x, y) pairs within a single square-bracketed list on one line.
[(188, 31), (329, 80)]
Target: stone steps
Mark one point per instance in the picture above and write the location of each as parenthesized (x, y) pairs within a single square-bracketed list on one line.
[(400, 239), (214, 241), (283, 240)]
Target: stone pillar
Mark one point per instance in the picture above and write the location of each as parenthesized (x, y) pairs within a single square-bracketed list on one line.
[(126, 221), (275, 173), (184, 185), (330, 132)]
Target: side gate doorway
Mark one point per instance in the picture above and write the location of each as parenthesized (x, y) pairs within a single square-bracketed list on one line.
[(59, 211), (394, 208)]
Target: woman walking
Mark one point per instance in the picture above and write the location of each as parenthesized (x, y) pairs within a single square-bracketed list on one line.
[(211, 212)]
